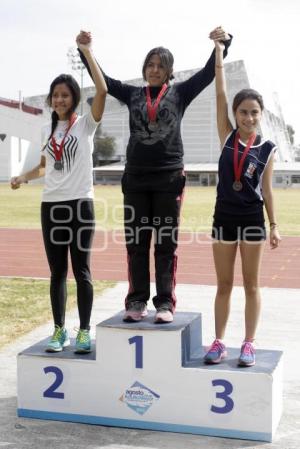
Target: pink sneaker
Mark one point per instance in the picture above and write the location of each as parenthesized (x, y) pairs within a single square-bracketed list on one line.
[(215, 353), (136, 312), (163, 315), (247, 356)]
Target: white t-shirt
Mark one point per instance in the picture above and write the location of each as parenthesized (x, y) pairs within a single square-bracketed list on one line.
[(75, 180)]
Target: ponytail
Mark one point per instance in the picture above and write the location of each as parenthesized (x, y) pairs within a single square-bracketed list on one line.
[(54, 120)]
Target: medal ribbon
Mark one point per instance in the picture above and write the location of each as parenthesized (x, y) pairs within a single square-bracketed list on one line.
[(152, 109), (59, 151), (238, 165)]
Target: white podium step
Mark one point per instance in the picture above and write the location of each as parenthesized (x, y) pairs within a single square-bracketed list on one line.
[(149, 376)]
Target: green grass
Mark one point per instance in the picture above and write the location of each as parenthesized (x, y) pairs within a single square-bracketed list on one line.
[(25, 304), (21, 208), (199, 202)]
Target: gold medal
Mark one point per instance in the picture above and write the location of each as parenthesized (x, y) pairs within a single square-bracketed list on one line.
[(153, 126)]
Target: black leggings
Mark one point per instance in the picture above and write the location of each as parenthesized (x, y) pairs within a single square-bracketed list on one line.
[(69, 224)]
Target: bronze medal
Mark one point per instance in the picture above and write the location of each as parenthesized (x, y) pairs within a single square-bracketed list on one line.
[(237, 186), (238, 165)]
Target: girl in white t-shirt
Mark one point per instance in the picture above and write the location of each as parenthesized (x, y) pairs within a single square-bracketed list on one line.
[(67, 211)]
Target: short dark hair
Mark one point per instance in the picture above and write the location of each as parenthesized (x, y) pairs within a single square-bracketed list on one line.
[(166, 58), (247, 94)]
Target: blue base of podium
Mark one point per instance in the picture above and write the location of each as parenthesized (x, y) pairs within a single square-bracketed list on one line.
[(144, 425)]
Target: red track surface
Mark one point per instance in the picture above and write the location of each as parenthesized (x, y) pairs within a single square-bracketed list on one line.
[(22, 254)]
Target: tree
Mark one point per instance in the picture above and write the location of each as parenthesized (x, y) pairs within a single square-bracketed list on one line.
[(104, 148), (291, 133)]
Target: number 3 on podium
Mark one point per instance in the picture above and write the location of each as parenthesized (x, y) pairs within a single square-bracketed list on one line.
[(225, 394)]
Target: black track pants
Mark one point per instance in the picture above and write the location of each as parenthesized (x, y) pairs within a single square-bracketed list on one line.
[(152, 204)]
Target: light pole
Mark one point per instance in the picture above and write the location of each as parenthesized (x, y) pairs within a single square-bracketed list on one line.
[(77, 66)]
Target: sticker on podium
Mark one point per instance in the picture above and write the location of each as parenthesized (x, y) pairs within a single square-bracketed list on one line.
[(148, 376)]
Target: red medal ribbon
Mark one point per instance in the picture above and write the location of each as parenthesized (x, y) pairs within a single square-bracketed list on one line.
[(238, 165), (152, 109), (59, 151)]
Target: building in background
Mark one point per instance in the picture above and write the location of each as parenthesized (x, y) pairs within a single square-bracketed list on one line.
[(20, 136), (199, 130)]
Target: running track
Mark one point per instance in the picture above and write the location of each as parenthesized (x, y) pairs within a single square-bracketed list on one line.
[(22, 254)]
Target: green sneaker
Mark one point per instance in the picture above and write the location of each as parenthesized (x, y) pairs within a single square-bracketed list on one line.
[(83, 342), (59, 340)]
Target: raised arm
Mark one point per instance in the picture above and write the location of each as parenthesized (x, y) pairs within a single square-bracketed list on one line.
[(192, 87), (36, 172), (116, 88), (98, 103), (223, 123)]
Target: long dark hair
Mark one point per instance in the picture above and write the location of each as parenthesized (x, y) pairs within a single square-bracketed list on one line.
[(247, 94), (75, 91), (166, 58)]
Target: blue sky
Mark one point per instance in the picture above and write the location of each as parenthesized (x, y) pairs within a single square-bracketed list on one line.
[(36, 35)]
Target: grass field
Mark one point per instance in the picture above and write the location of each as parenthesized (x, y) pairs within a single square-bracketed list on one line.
[(21, 208), (25, 304)]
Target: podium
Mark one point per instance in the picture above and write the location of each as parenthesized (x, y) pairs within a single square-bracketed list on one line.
[(152, 376)]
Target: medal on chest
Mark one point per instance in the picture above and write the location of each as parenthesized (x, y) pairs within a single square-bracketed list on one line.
[(153, 126), (237, 186), (58, 165), (58, 149), (238, 164), (152, 108)]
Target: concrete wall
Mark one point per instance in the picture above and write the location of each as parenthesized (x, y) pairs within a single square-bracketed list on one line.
[(20, 150)]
